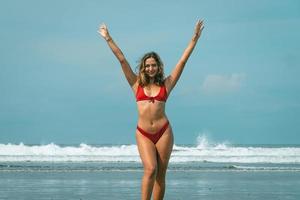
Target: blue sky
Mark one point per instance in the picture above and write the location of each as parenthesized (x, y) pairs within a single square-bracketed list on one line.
[(60, 83)]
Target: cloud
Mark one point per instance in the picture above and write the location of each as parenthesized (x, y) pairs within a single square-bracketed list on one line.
[(222, 84)]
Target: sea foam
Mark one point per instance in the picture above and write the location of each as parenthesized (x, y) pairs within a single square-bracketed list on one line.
[(204, 151)]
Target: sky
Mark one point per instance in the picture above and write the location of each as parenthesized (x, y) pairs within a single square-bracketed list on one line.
[(60, 83)]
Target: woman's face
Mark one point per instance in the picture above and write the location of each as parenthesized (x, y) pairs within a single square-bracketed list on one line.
[(151, 67)]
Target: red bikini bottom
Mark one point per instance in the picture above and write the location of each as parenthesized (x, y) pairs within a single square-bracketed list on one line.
[(154, 137)]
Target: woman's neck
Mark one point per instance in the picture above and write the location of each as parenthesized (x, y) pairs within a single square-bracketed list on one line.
[(151, 81)]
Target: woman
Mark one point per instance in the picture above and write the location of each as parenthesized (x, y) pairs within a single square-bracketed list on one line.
[(154, 134)]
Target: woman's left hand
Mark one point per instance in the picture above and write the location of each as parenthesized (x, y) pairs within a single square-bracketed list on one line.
[(103, 31)]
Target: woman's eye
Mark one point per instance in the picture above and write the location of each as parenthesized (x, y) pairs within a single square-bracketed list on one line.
[(152, 65)]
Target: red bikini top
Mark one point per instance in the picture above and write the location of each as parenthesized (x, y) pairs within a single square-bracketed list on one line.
[(161, 96)]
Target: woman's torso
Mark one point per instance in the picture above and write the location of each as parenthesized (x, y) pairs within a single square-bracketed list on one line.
[(151, 101)]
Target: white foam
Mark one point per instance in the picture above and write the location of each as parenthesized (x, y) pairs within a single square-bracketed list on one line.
[(219, 153)]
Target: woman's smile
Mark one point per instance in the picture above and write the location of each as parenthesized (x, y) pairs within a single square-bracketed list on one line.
[(151, 67)]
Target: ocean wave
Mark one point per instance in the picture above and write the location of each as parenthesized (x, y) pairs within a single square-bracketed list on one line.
[(216, 153)]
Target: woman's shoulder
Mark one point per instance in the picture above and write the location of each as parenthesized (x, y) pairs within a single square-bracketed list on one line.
[(135, 86)]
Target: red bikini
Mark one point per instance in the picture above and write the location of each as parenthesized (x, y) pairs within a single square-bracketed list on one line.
[(161, 96), (154, 137)]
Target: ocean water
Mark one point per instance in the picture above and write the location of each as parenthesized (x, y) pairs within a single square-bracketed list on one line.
[(202, 171)]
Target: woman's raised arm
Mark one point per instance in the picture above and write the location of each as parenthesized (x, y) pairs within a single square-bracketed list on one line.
[(129, 74), (175, 74)]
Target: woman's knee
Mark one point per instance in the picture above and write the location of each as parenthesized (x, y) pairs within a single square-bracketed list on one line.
[(161, 173), (150, 170)]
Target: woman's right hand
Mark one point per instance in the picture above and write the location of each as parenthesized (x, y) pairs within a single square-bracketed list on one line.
[(103, 31), (198, 28)]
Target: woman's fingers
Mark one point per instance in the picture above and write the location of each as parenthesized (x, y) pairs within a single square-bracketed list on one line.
[(199, 25), (103, 30), (102, 27)]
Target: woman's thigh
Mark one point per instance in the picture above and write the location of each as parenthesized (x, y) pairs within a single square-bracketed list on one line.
[(164, 149), (147, 151)]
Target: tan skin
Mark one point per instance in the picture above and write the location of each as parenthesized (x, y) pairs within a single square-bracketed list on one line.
[(151, 116)]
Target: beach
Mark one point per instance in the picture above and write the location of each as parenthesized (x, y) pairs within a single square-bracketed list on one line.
[(203, 171), (181, 185)]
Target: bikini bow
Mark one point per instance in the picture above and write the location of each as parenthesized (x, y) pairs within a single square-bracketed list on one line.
[(151, 99)]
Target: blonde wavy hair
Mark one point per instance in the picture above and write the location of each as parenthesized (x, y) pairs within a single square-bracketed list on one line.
[(143, 78)]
